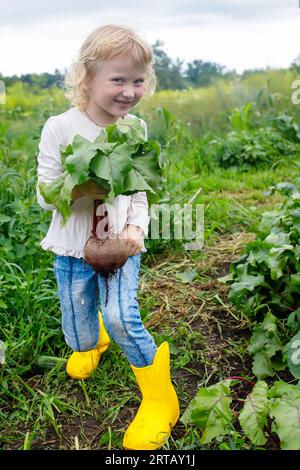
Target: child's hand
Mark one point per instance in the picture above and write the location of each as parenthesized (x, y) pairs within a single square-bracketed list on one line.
[(133, 236), (93, 190)]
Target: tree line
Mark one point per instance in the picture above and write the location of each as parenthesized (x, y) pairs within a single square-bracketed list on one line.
[(170, 73)]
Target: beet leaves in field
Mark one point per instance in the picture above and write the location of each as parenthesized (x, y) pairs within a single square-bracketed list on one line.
[(119, 160), (265, 284)]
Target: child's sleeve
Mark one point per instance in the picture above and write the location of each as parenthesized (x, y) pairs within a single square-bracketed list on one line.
[(49, 160), (138, 210)]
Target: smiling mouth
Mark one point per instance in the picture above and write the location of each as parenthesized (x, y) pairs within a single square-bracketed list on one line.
[(124, 102)]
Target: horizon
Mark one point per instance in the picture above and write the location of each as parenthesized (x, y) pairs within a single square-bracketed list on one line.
[(258, 70)]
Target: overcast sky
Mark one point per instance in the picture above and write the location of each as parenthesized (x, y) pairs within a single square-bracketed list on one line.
[(41, 36)]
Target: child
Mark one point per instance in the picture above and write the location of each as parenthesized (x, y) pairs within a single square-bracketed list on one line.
[(114, 70)]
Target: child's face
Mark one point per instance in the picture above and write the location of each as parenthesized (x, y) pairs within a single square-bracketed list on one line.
[(117, 86)]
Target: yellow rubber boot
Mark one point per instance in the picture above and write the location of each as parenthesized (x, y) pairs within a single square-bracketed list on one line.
[(104, 339), (81, 364), (159, 409)]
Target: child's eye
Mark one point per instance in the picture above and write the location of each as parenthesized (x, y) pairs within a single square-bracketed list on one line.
[(141, 80)]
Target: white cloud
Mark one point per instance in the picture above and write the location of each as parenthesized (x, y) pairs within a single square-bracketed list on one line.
[(30, 11), (240, 46)]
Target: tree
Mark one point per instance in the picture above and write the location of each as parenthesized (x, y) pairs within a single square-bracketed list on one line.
[(36, 81), (296, 64), (200, 73), (168, 73)]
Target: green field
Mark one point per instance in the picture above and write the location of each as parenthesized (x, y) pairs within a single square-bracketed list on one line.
[(225, 146)]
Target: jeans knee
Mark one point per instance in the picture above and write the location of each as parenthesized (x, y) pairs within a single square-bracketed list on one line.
[(115, 327)]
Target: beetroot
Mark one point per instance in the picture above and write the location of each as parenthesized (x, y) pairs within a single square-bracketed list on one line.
[(106, 256)]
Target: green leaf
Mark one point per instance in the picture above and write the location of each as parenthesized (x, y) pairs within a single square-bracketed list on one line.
[(293, 321), (245, 283), (291, 352), (282, 389), (126, 130), (145, 174), (133, 181), (113, 167), (210, 410), (78, 162), (49, 362), (280, 239), (65, 152), (254, 414), (3, 304), (4, 218), (262, 366), (294, 283), (265, 336), (51, 192), (187, 276), (278, 260), (264, 255), (120, 160), (228, 278), (59, 193), (148, 165), (286, 414)]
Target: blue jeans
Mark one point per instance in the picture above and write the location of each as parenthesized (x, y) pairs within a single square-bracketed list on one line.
[(78, 291)]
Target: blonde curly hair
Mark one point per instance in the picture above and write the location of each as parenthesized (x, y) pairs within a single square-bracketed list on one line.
[(105, 43)]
